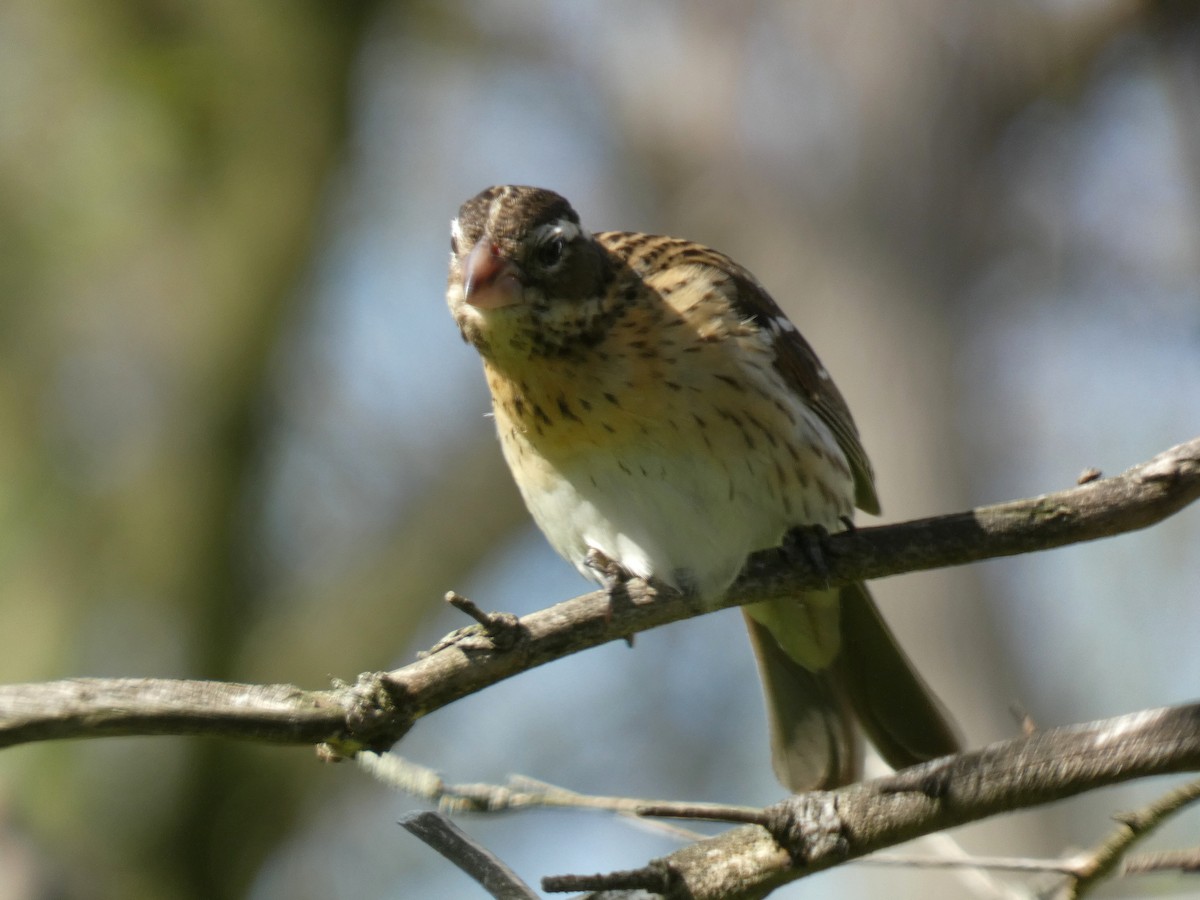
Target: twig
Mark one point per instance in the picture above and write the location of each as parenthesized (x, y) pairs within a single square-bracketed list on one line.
[(483, 866), (1088, 872), (653, 879), (501, 630), (521, 792), (1164, 860)]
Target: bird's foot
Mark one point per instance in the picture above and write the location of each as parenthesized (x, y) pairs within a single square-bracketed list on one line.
[(612, 577), (810, 543)]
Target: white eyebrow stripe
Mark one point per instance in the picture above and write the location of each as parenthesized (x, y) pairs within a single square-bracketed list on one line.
[(564, 228), (456, 231)]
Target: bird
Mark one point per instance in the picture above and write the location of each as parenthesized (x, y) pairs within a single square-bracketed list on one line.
[(663, 419)]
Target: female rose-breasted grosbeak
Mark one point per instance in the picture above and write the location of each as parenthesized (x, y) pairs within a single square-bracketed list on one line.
[(660, 413)]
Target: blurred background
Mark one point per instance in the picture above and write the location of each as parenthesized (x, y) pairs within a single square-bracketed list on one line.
[(241, 439)]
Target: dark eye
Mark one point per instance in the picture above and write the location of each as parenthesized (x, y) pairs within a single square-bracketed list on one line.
[(453, 244), (551, 252)]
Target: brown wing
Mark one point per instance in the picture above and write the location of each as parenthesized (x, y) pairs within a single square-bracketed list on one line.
[(794, 358), (802, 370)]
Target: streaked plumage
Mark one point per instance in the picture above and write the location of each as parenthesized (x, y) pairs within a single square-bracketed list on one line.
[(657, 407)]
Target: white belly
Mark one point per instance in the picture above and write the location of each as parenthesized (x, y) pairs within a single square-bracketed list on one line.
[(689, 519)]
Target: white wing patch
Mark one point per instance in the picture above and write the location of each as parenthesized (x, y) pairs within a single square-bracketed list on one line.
[(781, 325)]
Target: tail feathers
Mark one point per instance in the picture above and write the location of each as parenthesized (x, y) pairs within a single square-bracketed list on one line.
[(897, 709), (813, 742)]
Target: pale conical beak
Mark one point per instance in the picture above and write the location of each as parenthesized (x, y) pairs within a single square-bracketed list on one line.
[(490, 281)]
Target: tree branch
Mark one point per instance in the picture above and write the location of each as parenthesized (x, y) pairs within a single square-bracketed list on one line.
[(379, 709), (809, 833), (481, 864), (104, 707), (1095, 867)]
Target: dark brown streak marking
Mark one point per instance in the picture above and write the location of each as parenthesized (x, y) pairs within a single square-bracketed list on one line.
[(763, 428), (693, 254), (761, 391), (782, 407), (830, 498), (565, 409), (733, 419)]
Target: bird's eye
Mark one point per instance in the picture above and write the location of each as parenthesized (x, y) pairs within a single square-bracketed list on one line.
[(551, 252), (453, 244)]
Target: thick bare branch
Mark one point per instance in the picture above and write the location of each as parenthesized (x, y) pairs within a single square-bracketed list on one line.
[(381, 707), (1143, 495), (812, 832), (102, 707)]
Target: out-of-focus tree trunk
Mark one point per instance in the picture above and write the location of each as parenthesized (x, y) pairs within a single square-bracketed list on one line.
[(161, 166)]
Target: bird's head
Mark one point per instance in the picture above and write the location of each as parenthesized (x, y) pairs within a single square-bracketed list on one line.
[(526, 279)]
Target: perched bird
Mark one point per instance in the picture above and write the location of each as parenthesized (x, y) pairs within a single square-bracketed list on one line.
[(661, 414)]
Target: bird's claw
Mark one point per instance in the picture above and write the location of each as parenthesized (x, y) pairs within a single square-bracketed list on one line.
[(811, 542), (612, 577), (610, 574)]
